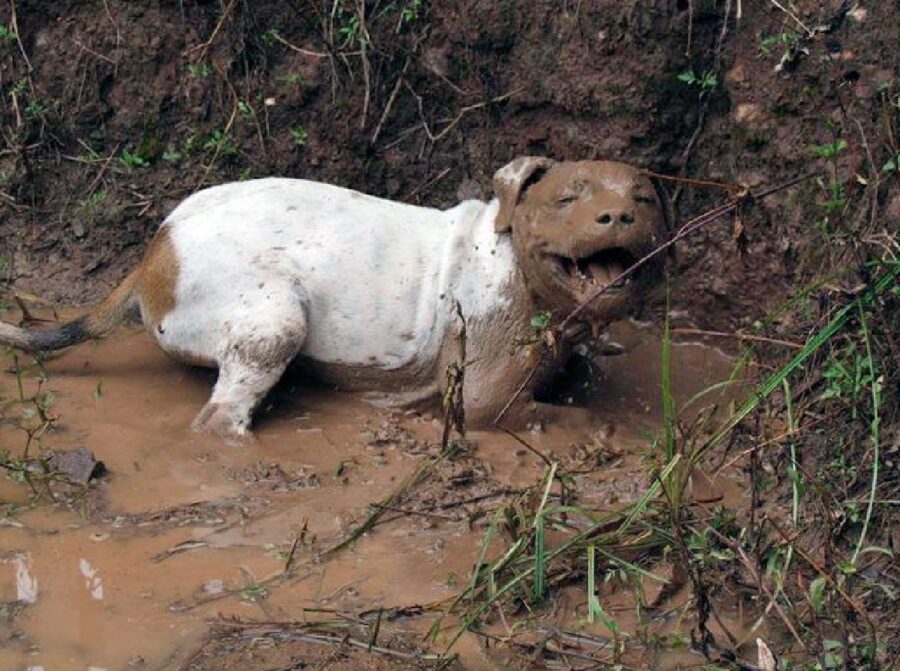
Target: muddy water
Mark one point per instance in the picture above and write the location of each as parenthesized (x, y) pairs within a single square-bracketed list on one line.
[(184, 529)]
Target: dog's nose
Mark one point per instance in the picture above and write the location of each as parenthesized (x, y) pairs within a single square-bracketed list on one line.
[(623, 217)]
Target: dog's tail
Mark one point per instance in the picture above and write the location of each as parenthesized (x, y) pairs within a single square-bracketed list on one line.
[(94, 324)]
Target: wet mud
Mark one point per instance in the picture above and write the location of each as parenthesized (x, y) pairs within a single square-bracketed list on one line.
[(176, 557)]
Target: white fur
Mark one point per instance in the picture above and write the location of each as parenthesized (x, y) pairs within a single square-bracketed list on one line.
[(366, 281), (620, 186)]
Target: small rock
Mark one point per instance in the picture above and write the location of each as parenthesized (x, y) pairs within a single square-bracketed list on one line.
[(858, 14), (747, 113), (78, 465), (737, 74)]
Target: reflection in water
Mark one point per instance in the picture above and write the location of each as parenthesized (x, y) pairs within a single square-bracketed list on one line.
[(91, 579), (26, 584)]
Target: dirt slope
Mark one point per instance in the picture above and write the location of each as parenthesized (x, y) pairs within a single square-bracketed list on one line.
[(113, 111)]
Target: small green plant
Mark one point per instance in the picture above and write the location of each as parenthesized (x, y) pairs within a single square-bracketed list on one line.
[(269, 37), (768, 44), (290, 79), (706, 551), (199, 70), (19, 87), (220, 143), (829, 150), (300, 135), (133, 159), (244, 108), (35, 109), (705, 82), (172, 155), (411, 11), (7, 34), (30, 413), (93, 200), (349, 23), (836, 198), (541, 320), (892, 165), (190, 143), (254, 592), (847, 374)]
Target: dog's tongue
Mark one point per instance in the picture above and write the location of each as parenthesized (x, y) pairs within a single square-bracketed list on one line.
[(604, 273), (597, 272)]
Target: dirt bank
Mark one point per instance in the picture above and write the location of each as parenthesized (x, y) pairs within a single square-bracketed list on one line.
[(121, 109)]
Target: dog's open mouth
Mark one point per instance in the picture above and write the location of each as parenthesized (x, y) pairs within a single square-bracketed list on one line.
[(598, 269)]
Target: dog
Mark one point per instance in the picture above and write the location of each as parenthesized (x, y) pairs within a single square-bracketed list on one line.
[(372, 294)]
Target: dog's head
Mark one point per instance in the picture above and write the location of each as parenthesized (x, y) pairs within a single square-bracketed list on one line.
[(576, 226)]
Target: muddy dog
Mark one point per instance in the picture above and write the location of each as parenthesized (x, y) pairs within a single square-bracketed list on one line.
[(371, 294)]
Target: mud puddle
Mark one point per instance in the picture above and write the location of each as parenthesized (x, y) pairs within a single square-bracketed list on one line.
[(184, 530)]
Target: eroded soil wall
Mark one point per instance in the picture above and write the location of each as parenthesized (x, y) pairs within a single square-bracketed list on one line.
[(113, 111)]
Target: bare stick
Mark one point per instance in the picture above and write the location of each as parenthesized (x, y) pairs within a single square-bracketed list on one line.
[(735, 188), (737, 336), (390, 104), (306, 52), (203, 48)]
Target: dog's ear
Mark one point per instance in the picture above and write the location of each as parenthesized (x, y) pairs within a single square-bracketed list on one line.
[(511, 181)]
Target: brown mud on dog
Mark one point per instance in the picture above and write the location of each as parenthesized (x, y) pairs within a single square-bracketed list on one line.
[(367, 293)]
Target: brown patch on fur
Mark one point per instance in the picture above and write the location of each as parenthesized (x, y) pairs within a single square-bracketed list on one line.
[(112, 310), (158, 277)]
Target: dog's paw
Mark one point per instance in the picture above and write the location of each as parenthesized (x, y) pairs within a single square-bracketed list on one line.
[(220, 420)]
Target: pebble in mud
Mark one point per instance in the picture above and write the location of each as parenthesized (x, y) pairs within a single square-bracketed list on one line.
[(213, 587)]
